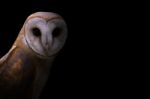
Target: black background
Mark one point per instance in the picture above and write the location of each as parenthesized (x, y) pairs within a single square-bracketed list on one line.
[(72, 74)]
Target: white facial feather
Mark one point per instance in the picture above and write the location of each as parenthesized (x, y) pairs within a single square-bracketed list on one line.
[(50, 37)]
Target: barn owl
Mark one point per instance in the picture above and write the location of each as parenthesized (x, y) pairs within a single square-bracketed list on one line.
[(25, 68)]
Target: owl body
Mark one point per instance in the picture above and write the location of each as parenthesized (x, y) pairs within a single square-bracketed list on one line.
[(24, 70), (21, 73), (16, 77)]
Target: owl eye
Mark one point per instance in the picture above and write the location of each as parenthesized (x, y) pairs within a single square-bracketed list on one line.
[(56, 32), (36, 32)]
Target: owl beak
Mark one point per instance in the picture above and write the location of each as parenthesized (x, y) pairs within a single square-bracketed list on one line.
[(47, 41)]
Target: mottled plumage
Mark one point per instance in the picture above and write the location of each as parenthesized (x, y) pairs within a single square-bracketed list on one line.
[(25, 68)]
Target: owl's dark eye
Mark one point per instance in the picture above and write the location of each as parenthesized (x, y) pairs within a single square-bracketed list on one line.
[(36, 32), (56, 32)]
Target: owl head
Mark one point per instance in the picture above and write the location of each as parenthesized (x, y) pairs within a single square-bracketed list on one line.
[(44, 33)]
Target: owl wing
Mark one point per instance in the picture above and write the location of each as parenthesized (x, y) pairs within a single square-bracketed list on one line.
[(16, 75), (5, 57)]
